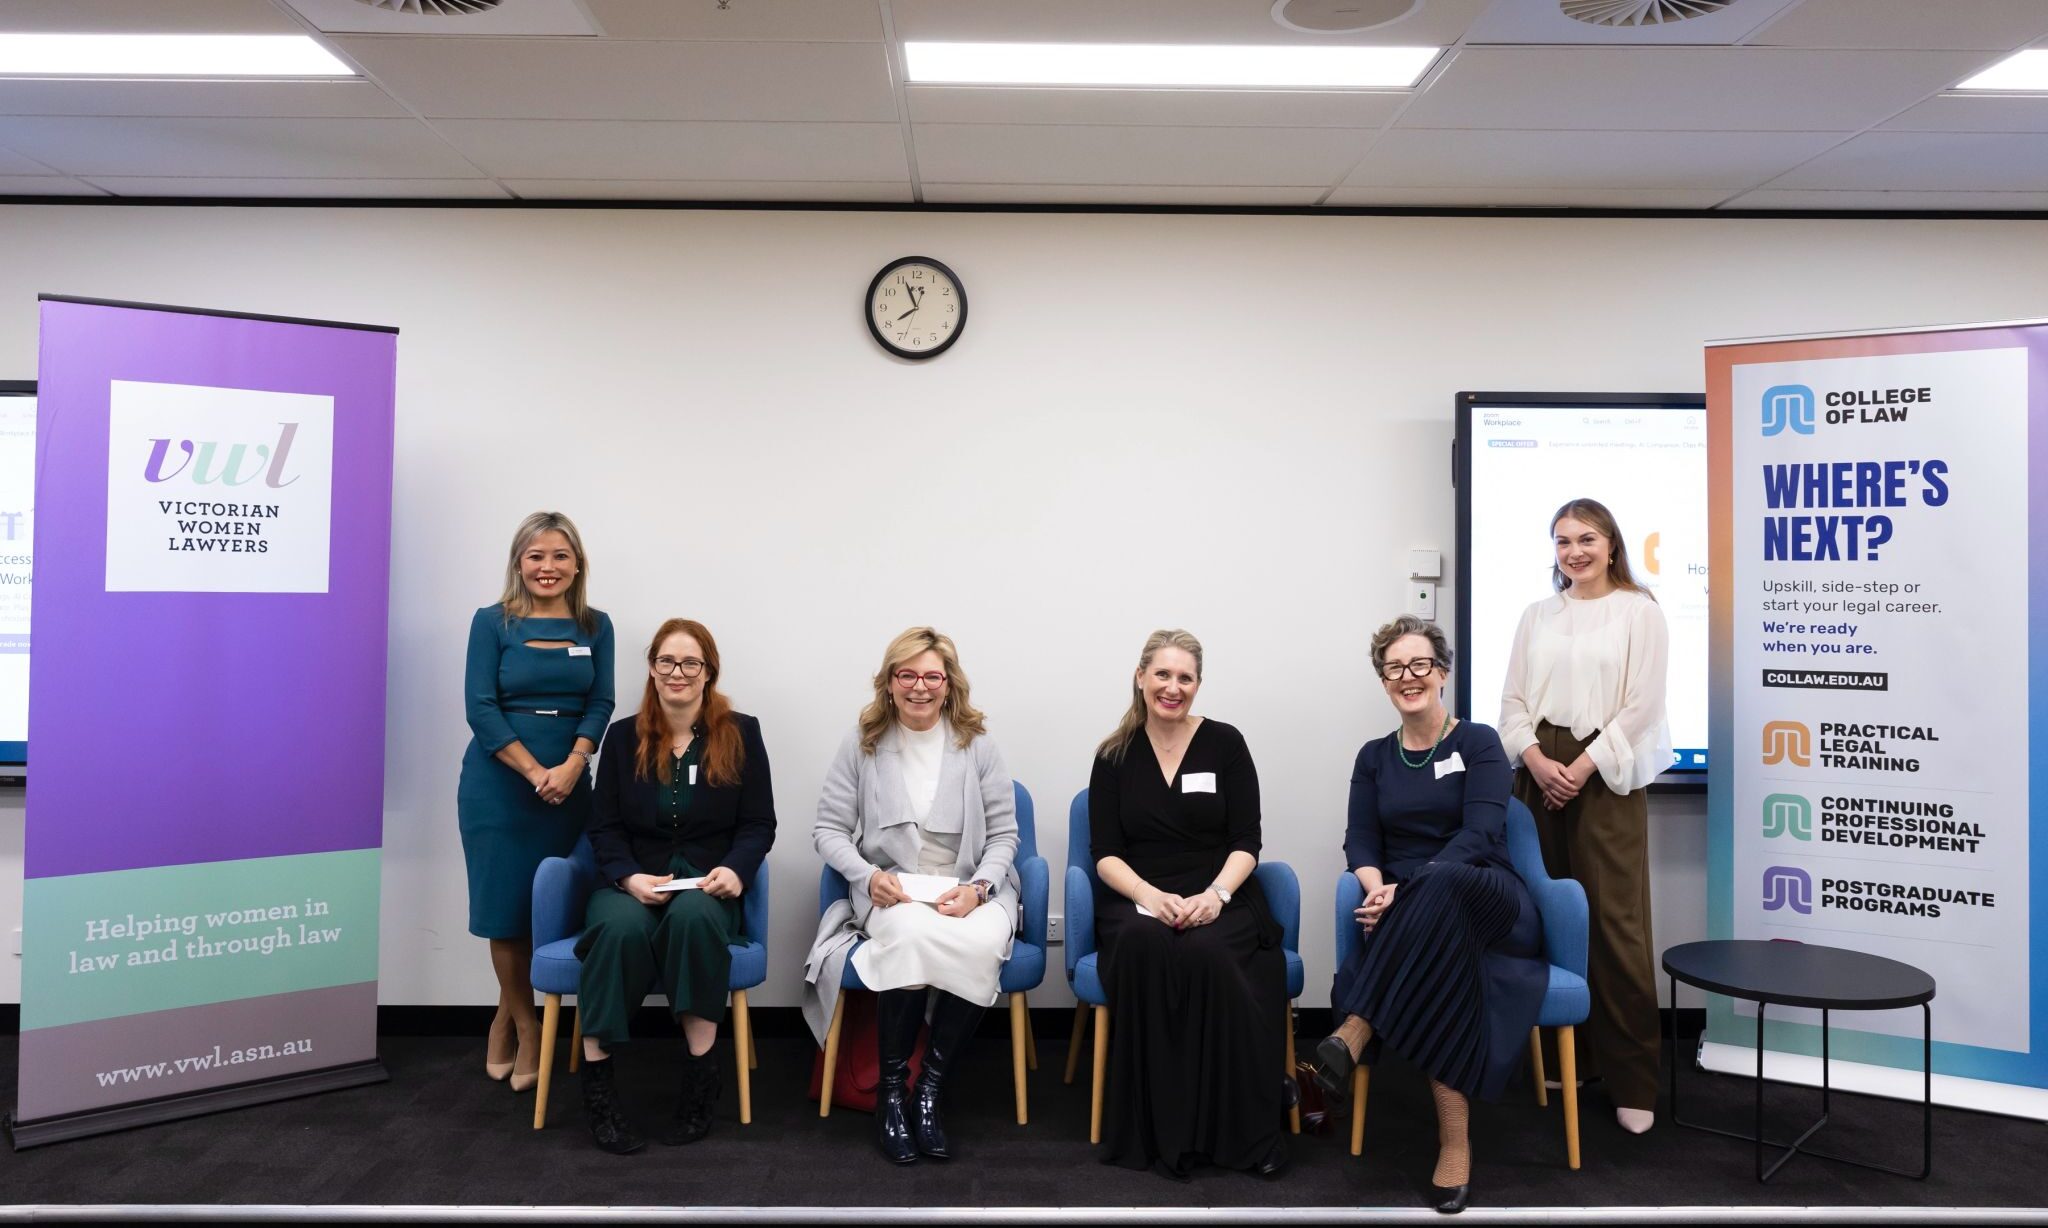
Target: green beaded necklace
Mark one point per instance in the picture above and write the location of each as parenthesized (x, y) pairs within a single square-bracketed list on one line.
[(1424, 761)]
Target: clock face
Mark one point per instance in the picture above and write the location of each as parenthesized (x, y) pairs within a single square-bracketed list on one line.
[(916, 307)]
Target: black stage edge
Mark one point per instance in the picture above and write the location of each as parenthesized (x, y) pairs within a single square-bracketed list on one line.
[(26, 1134)]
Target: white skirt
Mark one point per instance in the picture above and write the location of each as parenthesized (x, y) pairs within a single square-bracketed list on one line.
[(913, 944)]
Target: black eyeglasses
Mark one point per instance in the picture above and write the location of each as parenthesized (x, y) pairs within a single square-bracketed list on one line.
[(690, 666), (1420, 667), (907, 679)]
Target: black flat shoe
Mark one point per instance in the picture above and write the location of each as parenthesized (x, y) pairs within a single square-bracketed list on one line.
[(1333, 1067), (1275, 1161), (1450, 1201)]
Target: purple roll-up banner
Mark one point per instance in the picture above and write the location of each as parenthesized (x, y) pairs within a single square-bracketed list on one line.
[(206, 705)]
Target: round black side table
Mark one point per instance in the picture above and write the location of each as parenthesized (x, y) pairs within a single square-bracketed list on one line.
[(1823, 978)]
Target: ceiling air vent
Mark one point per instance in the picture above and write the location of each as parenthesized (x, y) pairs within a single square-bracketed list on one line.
[(434, 8), (1626, 13)]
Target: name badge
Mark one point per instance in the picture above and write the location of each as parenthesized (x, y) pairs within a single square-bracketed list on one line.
[(1198, 782), (693, 773), (579, 650), (1444, 767)]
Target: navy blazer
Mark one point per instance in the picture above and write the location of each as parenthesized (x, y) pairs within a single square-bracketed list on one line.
[(728, 825)]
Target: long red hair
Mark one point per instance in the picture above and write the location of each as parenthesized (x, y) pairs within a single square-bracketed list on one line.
[(723, 753)]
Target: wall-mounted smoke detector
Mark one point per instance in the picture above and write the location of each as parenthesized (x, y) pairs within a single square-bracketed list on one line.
[(1624, 13), (435, 8), (1340, 16)]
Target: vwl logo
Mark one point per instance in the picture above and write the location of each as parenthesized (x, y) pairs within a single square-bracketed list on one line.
[(1788, 814), (1788, 742), (1788, 405), (207, 466), (1787, 887)]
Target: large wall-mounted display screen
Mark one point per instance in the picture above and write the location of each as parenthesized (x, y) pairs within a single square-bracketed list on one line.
[(1519, 457), (17, 564)]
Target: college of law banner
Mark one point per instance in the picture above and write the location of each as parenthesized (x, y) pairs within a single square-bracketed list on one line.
[(1879, 587), (206, 708)]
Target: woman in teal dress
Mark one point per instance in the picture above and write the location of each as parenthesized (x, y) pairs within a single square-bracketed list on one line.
[(538, 691)]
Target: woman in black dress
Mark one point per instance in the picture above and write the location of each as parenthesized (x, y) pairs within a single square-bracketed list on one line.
[(1196, 981), (1451, 972)]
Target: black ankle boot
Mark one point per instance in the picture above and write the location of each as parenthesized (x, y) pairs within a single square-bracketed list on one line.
[(609, 1128), (953, 1023), (692, 1118), (898, 1015)]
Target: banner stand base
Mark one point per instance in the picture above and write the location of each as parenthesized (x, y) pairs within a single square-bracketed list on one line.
[(26, 1134), (1950, 1091)]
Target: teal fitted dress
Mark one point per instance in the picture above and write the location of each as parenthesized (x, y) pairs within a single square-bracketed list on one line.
[(543, 698)]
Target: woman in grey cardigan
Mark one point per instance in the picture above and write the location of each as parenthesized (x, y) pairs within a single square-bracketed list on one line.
[(918, 788)]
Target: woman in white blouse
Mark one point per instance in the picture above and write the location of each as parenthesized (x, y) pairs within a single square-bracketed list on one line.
[(1582, 715), (917, 788)]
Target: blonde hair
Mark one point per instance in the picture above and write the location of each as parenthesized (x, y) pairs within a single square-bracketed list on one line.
[(876, 718), (517, 602), (1594, 515), (1114, 746)]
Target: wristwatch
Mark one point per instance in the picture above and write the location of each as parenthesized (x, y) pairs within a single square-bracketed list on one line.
[(1222, 892), (983, 888)]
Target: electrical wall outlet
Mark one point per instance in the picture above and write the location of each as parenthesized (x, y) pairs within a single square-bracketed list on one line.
[(1055, 930)]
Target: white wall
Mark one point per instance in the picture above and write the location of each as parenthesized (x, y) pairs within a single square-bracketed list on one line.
[(1235, 424)]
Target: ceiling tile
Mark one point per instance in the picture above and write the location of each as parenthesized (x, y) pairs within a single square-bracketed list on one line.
[(521, 17), (858, 21), (549, 78), (1116, 194), (605, 149), (374, 189), (45, 185), (1949, 113), (278, 99), (1436, 23), (719, 190), (1529, 198), (1929, 162), (1728, 89), (1185, 108), (1778, 198), (1529, 22), (249, 148), (15, 163), (1005, 153), (1964, 25), (1643, 160), (146, 17)]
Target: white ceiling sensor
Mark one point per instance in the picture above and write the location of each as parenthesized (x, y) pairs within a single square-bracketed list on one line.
[(260, 56), (2024, 72), (1169, 65), (1340, 16), (1639, 12)]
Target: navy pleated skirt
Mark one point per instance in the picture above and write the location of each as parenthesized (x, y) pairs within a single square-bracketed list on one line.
[(1453, 976)]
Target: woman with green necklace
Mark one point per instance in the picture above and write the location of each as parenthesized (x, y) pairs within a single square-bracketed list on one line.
[(1450, 972)]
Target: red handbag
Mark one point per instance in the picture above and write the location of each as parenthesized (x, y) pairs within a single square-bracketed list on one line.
[(859, 1067)]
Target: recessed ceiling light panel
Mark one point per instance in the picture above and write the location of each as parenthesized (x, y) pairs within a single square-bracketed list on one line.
[(1169, 65), (2026, 72), (265, 56)]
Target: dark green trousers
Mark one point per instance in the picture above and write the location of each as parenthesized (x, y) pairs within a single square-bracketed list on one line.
[(628, 948)]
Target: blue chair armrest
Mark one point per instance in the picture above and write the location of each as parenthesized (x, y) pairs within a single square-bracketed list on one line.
[(1561, 902), (1350, 894), (562, 887), (831, 888), (1034, 878), (754, 908), (1080, 940), (1283, 896)]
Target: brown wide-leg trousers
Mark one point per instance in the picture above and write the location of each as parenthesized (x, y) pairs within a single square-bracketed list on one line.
[(1603, 839)]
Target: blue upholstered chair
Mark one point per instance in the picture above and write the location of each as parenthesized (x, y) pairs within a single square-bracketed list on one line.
[(1561, 902), (1022, 972), (561, 890), (1283, 896)]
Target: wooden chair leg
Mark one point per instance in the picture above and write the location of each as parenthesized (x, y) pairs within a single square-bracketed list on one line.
[(742, 1050), (1074, 1045), (550, 1019), (1536, 1067), (1293, 1114), (1020, 1027), (831, 1055), (1030, 1036), (1361, 1079), (1568, 1076), (1101, 1073), (575, 1037)]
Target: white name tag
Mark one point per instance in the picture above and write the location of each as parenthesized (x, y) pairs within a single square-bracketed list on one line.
[(579, 650), (693, 773), (1444, 767), (1198, 782)]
